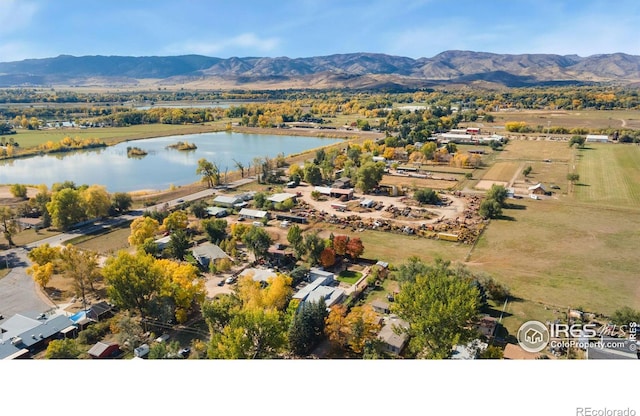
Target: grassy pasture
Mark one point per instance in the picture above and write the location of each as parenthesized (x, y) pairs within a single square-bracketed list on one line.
[(535, 150), (111, 135), (502, 171), (609, 175), (564, 254), (590, 119)]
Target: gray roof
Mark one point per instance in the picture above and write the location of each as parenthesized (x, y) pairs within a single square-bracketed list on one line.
[(209, 251), (253, 213), (389, 336), (259, 275), (223, 199), (281, 197)]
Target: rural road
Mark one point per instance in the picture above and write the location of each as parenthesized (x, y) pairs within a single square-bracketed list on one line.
[(18, 291)]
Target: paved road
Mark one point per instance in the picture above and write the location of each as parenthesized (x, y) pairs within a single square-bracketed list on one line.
[(18, 291)]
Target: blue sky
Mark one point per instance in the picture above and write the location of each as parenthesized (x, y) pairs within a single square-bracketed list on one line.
[(303, 28)]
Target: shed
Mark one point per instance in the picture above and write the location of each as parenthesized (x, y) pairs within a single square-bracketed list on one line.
[(538, 189), (281, 197), (217, 212), (339, 193), (380, 306), (367, 203), (104, 350), (253, 214), (597, 138), (323, 190), (226, 201), (393, 342)]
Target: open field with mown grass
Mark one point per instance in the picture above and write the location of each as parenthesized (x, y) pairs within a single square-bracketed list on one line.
[(565, 254), (111, 135), (609, 175), (535, 150), (502, 171), (590, 119)]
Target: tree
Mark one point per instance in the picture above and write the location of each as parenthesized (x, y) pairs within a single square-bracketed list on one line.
[(426, 196), (96, 201), (369, 175), (8, 224), (250, 334), (498, 193), (66, 208), (130, 333), (578, 141), (219, 311), (295, 238), (625, 316), (314, 246), (312, 174), (362, 327), (492, 352), (439, 305), (216, 229), (81, 266), (490, 208), (573, 177), (177, 220), (41, 273), (307, 327), (134, 281), (240, 167), (199, 209), (122, 202), (62, 349), (355, 248), (527, 171), (208, 171), (142, 228), (340, 244), (179, 244), (275, 295), (257, 241), (183, 286), (18, 191), (327, 257), (335, 326)]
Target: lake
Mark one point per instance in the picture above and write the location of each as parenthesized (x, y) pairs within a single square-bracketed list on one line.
[(161, 168)]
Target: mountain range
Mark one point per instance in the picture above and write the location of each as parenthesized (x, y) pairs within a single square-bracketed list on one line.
[(354, 70)]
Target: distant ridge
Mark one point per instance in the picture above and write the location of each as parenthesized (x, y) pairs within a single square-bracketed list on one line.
[(354, 70)]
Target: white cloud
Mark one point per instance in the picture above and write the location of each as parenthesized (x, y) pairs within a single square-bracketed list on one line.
[(246, 42), (15, 15)]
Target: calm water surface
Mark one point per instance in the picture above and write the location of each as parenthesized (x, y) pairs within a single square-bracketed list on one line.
[(161, 168)]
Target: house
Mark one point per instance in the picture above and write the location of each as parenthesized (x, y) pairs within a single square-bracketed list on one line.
[(217, 212), (597, 138), (100, 311), (253, 214), (323, 190), (515, 352), (105, 350), (259, 275), (163, 242), (393, 342), (30, 331), (226, 201), (342, 183), (316, 273), (380, 306), (206, 253), (281, 197), (537, 189), (317, 290), (346, 194), (25, 223)]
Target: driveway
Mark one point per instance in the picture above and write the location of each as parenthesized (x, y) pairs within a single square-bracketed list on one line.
[(18, 291)]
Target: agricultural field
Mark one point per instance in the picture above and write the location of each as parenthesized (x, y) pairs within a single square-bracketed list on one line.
[(609, 175), (564, 254), (590, 119)]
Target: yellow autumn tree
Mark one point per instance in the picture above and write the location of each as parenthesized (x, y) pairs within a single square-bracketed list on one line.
[(183, 285), (41, 274), (142, 228)]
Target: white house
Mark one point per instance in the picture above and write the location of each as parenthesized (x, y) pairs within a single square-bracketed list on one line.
[(226, 201), (206, 253)]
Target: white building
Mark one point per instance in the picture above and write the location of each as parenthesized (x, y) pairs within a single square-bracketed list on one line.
[(597, 138)]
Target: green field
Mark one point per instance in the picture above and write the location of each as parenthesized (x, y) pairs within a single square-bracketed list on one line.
[(33, 138), (609, 175), (564, 254)]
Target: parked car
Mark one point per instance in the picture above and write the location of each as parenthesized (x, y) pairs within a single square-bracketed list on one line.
[(230, 280), (185, 352), (221, 282)]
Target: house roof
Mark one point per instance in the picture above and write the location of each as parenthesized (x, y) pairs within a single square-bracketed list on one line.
[(100, 348), (537, 186), (380, 304), (215, 210), (224, 199), (319, 272), (325, 190), (254, 213), (281, 197), (259, 275), (209, 251), (388, 335), (515, 352)]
